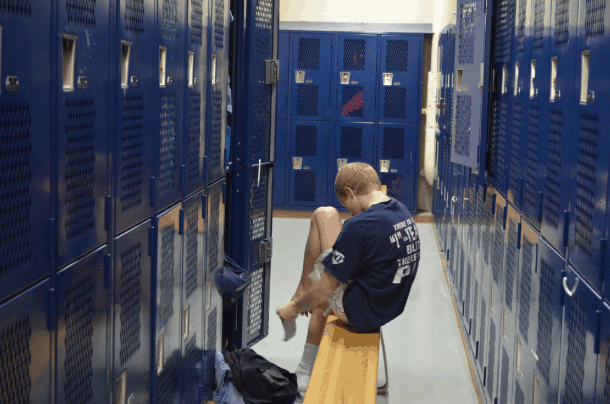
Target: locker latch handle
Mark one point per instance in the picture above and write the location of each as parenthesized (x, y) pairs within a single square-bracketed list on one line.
[(565, 286), (259, 173)]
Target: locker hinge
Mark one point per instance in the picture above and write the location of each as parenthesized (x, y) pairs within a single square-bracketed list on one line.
[(183, 179), (504, 217), (52, 242), (152, 192), (265, 250), (605, 274), (107, 212), (484, 193), (205, 170), (152, 241), (562, 298), (226, 159), (181, 228), (566, 227), (448, 252), (518, 236), (540, 204), (272, 70), (521, 189), (51, 309), (598, 331), (107, 269), (493, 204), (204, 206), (224, 192)]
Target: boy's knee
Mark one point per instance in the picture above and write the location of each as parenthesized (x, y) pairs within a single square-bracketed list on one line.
[(326, 212)]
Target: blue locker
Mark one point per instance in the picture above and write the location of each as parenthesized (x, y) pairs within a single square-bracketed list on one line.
[(308, 155), (167, 287), (134, 90), (25, 341), (25, 104), (355, 77), (283, 85), (215, 220), (193, 295), (591, 148), (352, 142), (558, 123), (398, 78), (216, 115), (281, 163), (83, 128), (133, 320), (579, 350), (310, 76), (195, 59), (603, 365), (82, 311), (396, 163)]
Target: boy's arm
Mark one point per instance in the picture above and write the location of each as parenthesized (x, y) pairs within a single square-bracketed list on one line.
[(313, 296)]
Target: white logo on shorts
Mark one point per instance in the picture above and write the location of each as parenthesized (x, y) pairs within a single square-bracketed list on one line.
[(338, 257)]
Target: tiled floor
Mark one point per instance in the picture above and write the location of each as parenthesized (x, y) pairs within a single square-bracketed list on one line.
[(426, 358)]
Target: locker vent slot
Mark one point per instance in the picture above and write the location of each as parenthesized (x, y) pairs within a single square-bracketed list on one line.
[(264, 26), (15, 179), (394, 183), (482, 332), (131, 290), (562, 22), (80, 161), (79, 347), (553, 183), (453, 257), (519, 397), (467, 30), (80, 12), (353, 54), (190, 375), (306, 140), (504, 378), (594, 19), (494, 140), (134, 16), (607, 388), (261, 131), (498, 246), (15, 380), (216, 135), (526, 287), (461, 276), (514, 148), (531, 164), (353, 101), (395, 103), (502, 129), (396, 55), (393, 143), (166, 278), (212, 325), (504, 21), (521, 26), (512, 260), (258, 207), (538, 37), (577, 350), (214, 229), (462, 126), (309, 53), (586, 181), (468, 287), (480, 216), (305, 186), (219, 24), (488, 223), (169, 24), (192, 246), (164, 385), (169, 147), (307, 100), (194, 142), (133, 147), (21, 8), (491, 359), (256, 301), (197, 21), (545, 318), (351, 141), (449, 108), (475, 307)]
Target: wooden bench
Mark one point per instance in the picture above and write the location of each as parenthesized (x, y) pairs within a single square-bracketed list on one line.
[(345, 370)]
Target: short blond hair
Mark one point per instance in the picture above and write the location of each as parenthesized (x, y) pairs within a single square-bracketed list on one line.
[(359, 177)]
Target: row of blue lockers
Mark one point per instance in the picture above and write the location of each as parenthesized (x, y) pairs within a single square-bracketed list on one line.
[(142, 310), (537, 331), (110, 112), (548, 149)]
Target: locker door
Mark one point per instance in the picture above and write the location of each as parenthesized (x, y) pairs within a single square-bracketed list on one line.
[(134, 91), (308, 151), (310, 76), (26, 345), (603, 365), (132, 374), (399, 78), (26, 145), (396, 165), (470, 294), (579, 353), (355, 77), (82, 307), (167, 289), (215, 219), (591, 152), (193, 295), (283, 85), (353, 142)]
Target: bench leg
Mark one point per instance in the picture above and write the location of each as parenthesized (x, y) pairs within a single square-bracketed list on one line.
[(384, 388)]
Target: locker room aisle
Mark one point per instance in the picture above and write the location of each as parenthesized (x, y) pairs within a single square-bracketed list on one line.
[(426, 358)]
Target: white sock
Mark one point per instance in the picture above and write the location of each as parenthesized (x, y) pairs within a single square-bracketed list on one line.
[(305, 366)]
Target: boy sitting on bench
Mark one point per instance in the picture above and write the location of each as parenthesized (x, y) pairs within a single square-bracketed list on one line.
[(362, 270)]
